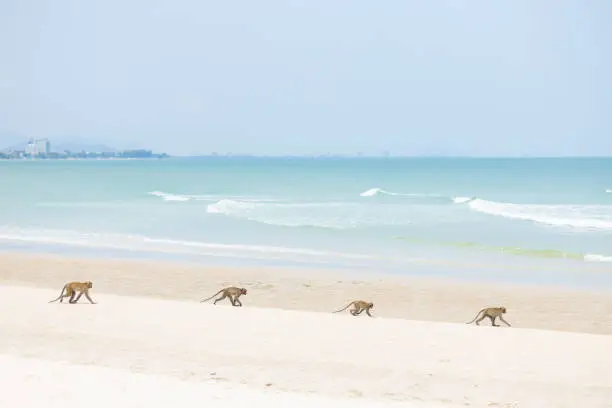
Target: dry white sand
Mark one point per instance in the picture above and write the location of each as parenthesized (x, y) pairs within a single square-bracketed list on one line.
[(274, 350), (31, 383), (321, 290), (154, 351)]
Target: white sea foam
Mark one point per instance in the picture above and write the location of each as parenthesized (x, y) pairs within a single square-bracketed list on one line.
[(609, 190), (209, 197), (597, 217), (350, 215), (333, 215), (151, 244), (461, 200), (230, 206), (426, 197), (344, 215), (379, 191), (374, 191), (597, 258), (584, 217), (169, 197)]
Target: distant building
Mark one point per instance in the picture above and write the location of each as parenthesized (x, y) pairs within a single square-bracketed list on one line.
[(39, 147), (43, 146)]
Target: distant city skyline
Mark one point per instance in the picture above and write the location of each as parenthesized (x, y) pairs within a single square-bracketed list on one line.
[(83, 144), (41, 149), (477, 78)]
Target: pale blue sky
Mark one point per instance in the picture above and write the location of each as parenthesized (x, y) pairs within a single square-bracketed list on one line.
[(299, 77)]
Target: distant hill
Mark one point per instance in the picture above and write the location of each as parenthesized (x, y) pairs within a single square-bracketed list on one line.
[(8, 138), (79, 147)]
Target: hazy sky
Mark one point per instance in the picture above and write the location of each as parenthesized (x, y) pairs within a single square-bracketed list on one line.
[(275, 77)]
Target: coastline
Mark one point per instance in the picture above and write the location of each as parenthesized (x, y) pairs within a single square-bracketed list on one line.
[(496, 269), (40, 159), (320, 290)]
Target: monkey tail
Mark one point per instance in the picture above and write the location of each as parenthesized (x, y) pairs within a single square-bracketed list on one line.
[(204, 300), (476, 317), (344, 308), (60, 295)]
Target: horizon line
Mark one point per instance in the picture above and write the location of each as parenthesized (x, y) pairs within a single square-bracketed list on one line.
[(390, 156)]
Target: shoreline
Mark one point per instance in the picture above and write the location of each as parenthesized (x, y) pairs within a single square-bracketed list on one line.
[(562, 274), (320, 290)]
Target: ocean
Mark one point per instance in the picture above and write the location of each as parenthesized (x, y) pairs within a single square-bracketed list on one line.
[(536, 220)]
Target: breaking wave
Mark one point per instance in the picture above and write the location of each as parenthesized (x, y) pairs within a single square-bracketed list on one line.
[(597, 258), (170, 197), (408, 208), (334, 215), (584, 217), (461, 200), (204, 197), (379, 191), (594, 217), (414, 196)]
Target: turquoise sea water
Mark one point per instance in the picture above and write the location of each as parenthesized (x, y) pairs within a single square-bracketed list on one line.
[(406, 214)]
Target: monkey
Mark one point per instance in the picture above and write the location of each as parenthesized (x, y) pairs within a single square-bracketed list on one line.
[(232, 292), (71, 288), (358, 307), (69, 292), (492, 313)]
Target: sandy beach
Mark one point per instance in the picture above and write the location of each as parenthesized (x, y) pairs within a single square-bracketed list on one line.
[(150, 342), (320, 290)]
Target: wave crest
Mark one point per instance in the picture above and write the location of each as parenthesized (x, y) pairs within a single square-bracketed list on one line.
[(376, 191), (461, 200), (352, 214), (416, 196), (205, 197), (586, 217), (597, 217), (379, 191), (170, 197)]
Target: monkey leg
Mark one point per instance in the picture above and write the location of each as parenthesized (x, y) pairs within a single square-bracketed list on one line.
[(237, 302), (65, 295), (219, 299), (480, 320), (492, 318), (72, 299), (502, 319), (368, 312)]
